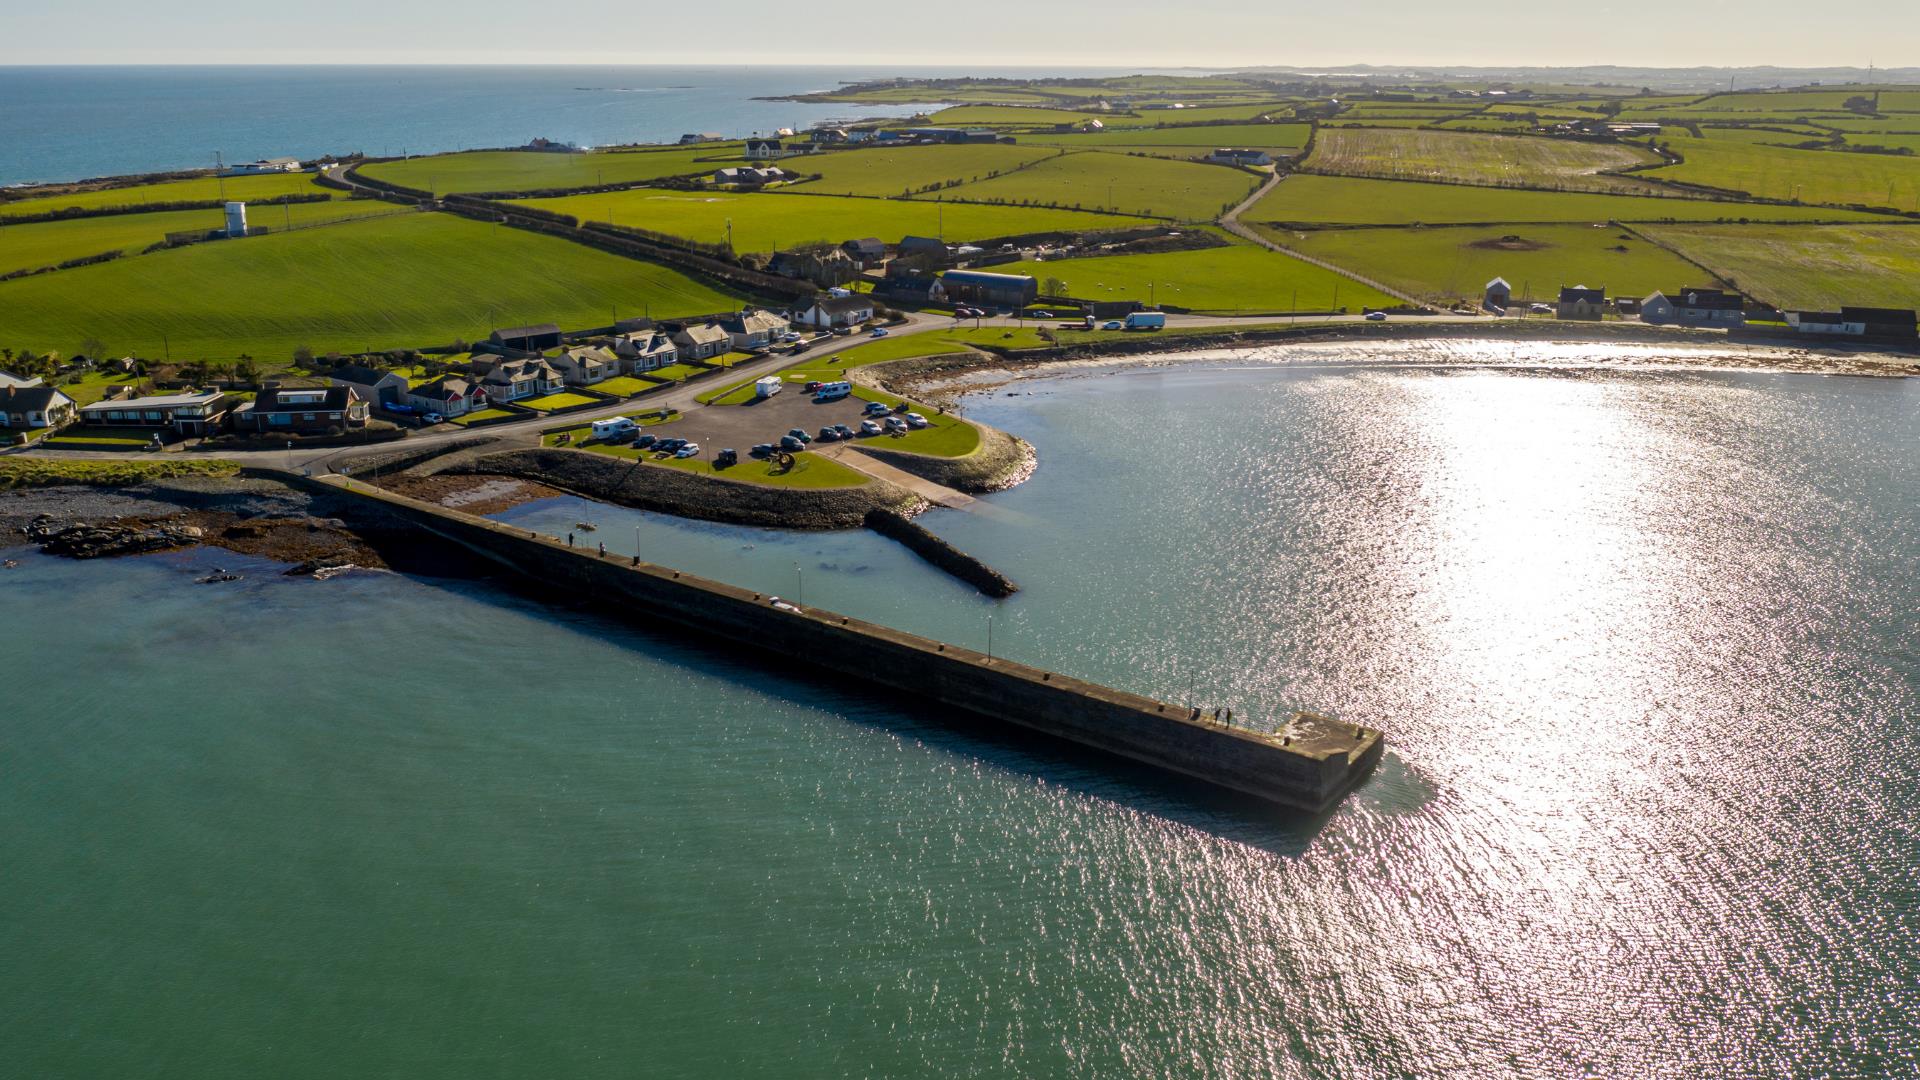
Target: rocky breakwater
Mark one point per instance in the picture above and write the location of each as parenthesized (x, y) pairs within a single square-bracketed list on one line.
[(84, 540)]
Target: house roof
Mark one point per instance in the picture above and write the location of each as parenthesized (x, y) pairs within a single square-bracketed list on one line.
[(444, 388), (531, 368), (921, 242), (1709, 299), (1829, 317), (1903, 316), (591, 354), (866, 245), (1574, 294), (8, 378), (30, 398), (840, 305), (752, 321), (158, 401), (704, 334), (976, 277), (360, 374), (331, 399), (1500, 281)]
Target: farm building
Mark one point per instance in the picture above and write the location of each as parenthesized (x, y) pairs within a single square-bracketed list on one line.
[(188, 413), (1498, 295), (1694, 307), (750, 177), (1230, 156), (701, 137), (372, 384), (527, 338), (973, 286), (26, 407), (867, 253), (1856, 322), (925, 249), (1580, 302), (831, 311), (824, 268), (907, 285), (302, 410), (448, 395)]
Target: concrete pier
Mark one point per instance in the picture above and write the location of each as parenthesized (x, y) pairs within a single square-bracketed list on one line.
[(1308, 765)]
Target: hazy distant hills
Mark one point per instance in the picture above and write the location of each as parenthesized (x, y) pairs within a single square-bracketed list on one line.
[(1670, 79)]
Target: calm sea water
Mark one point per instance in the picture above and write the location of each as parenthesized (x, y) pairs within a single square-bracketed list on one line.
[(1645, 646), (66, 123)]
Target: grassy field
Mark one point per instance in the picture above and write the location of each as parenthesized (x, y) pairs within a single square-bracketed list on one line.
[(1242, 279), (415, 279), (508, 170), (1765, 136), (1813, 176), (1014, 116), (766, 221), (1891, 142), (623, 386), (1458, 262), (1188, 139), (479, 415), (199, 189), (1204, 114), (1469, 157), (23, 472), (1346, 200), (1821, 266), (902, 169), (45, 243), (1148, 186), (560, 400), (809, 470)]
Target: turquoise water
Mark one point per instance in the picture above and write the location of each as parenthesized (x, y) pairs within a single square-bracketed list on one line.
[(1645, 646)]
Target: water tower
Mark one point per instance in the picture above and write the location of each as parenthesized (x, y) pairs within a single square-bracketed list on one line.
[(236, 219)]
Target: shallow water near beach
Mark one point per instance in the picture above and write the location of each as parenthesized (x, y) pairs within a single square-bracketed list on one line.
[(1644, 644)]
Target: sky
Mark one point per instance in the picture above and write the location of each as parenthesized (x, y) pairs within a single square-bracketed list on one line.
[(1204, 33)]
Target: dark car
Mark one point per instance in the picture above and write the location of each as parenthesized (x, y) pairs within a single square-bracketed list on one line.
[(843, 431), (827, 434), (761, 449), (791, 444), (727, 457), (669, 445), (814, 385), (797, 433), (643, 442)]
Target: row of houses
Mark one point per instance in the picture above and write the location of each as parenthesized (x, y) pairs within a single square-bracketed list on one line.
[(1717, 309), (276, 409)]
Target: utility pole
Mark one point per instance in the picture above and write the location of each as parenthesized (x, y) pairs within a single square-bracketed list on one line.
[(220, 175)]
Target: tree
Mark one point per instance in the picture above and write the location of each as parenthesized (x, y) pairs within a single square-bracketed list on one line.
[(1053, 286), (93, 348), (303, 355), (246, 370)]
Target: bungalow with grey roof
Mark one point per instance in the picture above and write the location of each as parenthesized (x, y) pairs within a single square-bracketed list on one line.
[(26, 408), (753, 329), (372, 384), (701, 341), (645, 351), (191, 412), (511, 380), (448, 395), (584, 365), (831, 311)]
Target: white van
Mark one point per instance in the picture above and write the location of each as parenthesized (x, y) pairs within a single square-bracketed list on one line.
[(833, 391), (614, 427)]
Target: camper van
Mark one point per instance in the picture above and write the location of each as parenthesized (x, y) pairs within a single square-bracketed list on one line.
[(614, 428), (767, 387), (832, 391)]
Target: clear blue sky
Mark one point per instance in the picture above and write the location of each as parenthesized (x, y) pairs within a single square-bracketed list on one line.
[(1125, 32)]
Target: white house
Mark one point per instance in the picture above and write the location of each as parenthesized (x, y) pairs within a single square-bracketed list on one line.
[(266, 165), (23, 408), (645, 351), (511, 380), (830, 311), (1695, 307)]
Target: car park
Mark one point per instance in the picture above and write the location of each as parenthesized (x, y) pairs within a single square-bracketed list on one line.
[(915, 420), (868, 427)]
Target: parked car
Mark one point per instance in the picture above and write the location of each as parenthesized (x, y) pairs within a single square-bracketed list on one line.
[(868, 427), (827, 434), (791, 445), (729, 456), (843, 431), (800, 434), (761, 450), (896, 425), (434, 418), (878, 331), (644, 441), (1043, 314), (875, 408), (843, 331), (814, 385), (1376, 316), (915, 420), (1111, 324), (692, 449), (669, 445)]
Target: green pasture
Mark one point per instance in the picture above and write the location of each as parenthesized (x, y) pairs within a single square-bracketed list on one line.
[(407, 280), (529, 170), (198, 189), (47, 243), (1346, 200), (1474, 158), (1890, 142), (1190, 139), (1201, 114), (1765, 136), (767, 221), (1814, 176), (1146, 186), (1242, 279), (1817, 266), (897, 170), (1008, 116), (1445, 263)]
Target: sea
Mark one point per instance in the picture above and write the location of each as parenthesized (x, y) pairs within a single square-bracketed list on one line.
[(1644, 644), (72, 123)]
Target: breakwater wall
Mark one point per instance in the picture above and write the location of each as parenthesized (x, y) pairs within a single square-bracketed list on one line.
[(916, 538), (1308, 765)]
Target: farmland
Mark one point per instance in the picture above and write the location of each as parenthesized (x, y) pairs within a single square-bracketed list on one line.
[(1015, 116), (198, 189), (1820, 266), (1815, 176), (1444, 263), (1147, 186), (415, 279), (1343, 200), (1242, 279), (1473, 158), (899, 170), (1189, 140), (45, 243), (766, 221), (527, 170)]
